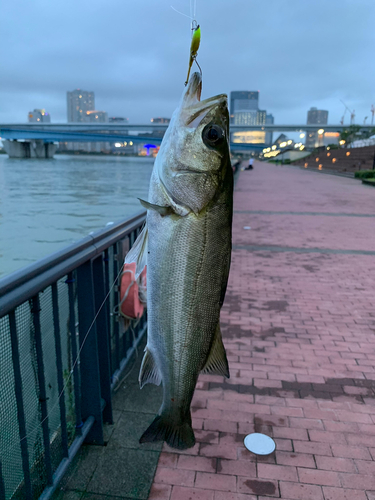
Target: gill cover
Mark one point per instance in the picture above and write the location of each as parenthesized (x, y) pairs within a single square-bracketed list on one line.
[(195, 149)]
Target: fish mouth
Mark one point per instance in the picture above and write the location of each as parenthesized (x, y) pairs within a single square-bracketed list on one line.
[(193, 90), (194, 109)]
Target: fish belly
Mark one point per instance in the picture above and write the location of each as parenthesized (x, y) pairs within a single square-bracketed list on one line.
[(187, 257)]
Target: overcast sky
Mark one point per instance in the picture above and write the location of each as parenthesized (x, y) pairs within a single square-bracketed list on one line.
[(134, 53)]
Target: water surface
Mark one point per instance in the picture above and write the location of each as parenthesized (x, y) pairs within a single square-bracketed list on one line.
[(48, 204)]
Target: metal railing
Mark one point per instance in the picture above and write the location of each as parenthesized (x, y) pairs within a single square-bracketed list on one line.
[(62, 349)]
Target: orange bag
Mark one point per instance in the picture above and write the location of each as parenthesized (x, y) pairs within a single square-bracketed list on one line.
[(131, 305)]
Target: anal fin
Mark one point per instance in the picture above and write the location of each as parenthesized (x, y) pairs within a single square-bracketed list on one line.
[(149, 373), (217, 363)]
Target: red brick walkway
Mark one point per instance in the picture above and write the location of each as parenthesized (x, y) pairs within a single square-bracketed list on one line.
[(298, 324)]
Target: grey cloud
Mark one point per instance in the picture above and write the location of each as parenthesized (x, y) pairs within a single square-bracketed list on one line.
[(134, 55)]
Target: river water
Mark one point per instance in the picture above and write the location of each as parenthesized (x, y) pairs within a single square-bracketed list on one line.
[(48, 204)]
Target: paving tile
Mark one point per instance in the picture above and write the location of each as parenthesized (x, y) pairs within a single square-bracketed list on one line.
[(343, 494), (130, 428), (258, 487), (124, 472), (181, 493), (298, 326)]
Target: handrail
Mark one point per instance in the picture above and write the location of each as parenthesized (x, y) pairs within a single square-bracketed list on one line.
[(58, 321), (18, 286)]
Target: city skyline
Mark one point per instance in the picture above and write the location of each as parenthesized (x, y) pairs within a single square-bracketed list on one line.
[(137, 63)]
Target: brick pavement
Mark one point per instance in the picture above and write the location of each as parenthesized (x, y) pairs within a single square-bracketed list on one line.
[(298, 324)]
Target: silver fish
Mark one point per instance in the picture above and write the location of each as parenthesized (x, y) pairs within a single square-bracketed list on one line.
[(186, 245)]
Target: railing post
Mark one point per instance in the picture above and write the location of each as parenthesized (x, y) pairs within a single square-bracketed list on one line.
[(107, 286), (59, 368), (75, 366), (2, 486), (42, 387), (20, 407), (116, 299), (103, 336), (89, 359)]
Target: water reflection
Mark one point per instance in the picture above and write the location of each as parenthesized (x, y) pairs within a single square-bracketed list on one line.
[(47, 204)]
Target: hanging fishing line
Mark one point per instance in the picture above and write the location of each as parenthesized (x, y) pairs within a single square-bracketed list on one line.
[(36, 427), (182, 14), (195, 37)]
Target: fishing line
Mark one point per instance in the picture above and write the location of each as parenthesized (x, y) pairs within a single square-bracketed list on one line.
[(182, 14), (36, 428)]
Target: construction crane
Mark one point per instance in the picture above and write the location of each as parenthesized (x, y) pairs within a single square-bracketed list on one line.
[(352, 114), (372, 112)]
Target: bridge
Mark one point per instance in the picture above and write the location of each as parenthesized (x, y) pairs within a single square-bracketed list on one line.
[(38, 138)]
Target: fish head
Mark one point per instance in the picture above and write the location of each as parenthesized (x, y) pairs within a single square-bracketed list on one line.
[(194, 153)]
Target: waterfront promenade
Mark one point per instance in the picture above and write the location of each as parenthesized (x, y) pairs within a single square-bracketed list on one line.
[(299, 327)]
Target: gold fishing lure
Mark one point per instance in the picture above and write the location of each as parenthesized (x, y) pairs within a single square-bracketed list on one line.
[(195, 42)]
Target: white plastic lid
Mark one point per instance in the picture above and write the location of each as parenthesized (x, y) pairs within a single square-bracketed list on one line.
[(260, 444)]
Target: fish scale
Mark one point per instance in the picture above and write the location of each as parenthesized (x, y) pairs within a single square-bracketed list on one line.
[(188, 245)]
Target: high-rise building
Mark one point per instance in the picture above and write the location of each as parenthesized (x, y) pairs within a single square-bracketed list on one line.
[(315, 117), (118, 119), (269, 121), (160, 120), (96, 116), (243, 107), (79, 102), (39, 115)]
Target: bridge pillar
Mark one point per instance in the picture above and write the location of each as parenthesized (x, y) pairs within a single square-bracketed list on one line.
[(30, 149)]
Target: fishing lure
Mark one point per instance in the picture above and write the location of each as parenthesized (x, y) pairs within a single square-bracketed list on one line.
[(195, 42)]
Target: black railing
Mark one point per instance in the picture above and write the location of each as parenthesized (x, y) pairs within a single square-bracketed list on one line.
[(62, 351)]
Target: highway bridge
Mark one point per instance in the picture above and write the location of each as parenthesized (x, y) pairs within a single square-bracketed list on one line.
[(41, 136)]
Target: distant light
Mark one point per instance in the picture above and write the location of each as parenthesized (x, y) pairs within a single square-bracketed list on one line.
[(321, 131), (290, 142), (301, 136), (328, 148), (131, 143), (118, 144), (328, 154), (283, 144), (80, 96), (316, 159), (348, 153), (320, 166), (125, 143), (265, 150), (302, 147), (306, 165), (342, 143), (274, 147)]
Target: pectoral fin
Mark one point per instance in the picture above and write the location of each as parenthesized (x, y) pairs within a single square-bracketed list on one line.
[(217, 363), (138, 252), (163, 211), (149, 373)]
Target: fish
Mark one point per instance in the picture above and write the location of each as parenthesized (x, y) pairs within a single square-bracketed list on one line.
[(186, 245)]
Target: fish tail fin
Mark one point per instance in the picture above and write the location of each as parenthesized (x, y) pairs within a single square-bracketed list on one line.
[(179, 436)]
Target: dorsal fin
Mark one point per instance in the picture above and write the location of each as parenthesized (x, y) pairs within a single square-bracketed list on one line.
[(217, 362), (138, 252), (163, 211)]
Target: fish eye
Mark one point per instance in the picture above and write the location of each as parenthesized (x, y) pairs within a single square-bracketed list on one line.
[(213, 135)]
